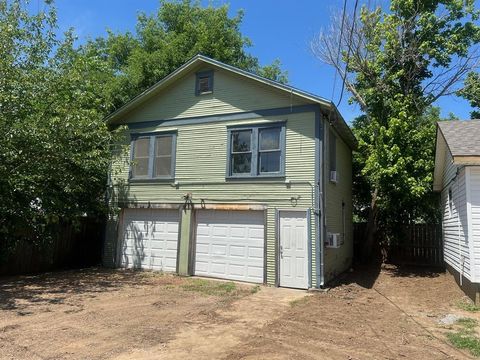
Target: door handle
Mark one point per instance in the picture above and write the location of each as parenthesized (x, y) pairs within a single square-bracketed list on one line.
[(281, 252)]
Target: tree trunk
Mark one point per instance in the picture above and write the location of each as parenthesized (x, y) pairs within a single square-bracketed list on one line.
[(371, 229)]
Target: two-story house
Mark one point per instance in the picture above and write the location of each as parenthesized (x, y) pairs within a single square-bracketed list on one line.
[(230, 175)]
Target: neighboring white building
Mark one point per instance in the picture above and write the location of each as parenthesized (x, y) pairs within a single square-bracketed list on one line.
[(457, 178)]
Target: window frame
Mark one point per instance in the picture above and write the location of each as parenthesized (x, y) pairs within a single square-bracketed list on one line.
[(151, 156), (255, 142), (203, 74)]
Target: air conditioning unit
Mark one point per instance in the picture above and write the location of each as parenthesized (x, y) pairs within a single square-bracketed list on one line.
[(334, 240), (333, 176)]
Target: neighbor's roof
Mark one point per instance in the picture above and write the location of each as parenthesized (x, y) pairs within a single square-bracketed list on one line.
[(462, 137), (459, 138), (338, 122)]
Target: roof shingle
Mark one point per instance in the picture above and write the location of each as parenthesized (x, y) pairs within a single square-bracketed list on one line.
[(462, 137)]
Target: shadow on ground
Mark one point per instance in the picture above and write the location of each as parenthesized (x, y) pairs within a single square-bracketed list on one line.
[(365, 275), (18, 292)]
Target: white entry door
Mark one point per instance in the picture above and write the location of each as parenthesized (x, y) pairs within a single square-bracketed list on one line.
[(293, 249), (149, 239), (229, 245)]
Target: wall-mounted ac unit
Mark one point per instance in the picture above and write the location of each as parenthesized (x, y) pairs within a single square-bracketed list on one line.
[(333, 176), (334, 240)]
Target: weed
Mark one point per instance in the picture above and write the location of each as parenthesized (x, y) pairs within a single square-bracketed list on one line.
[(467, 305), (465, 337), (298, 302), (255, 289)]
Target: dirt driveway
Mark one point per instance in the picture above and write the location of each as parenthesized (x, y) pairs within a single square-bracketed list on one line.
[(102, 314)]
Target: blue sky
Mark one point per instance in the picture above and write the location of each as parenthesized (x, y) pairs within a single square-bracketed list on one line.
[(278, 29)]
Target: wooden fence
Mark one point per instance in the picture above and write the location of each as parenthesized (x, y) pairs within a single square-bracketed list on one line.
[(413, 244), (71, 247)]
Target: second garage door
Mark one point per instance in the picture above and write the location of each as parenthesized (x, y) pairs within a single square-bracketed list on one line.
[(230, 245)]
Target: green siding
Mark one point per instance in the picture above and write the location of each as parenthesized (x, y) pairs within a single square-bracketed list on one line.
[(200, 170), (202, 154), (184, 242), (232, 93), (338, 260)]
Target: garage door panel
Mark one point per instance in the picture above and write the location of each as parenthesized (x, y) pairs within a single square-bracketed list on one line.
[(255, 233), (150, 239), (255, 253), (230, 245), (218, 268), (220, 231), (237, 250)]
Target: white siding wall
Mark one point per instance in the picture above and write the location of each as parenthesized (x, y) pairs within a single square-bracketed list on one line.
[(455, 224), (474, 210)]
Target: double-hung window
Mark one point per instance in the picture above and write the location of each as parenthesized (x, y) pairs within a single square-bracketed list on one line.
[(256, 151), (153, 156)]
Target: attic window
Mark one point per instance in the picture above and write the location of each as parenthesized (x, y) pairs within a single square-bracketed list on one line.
[(204, 83)]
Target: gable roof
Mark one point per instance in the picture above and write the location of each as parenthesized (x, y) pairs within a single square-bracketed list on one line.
[(460, 140), (336, 119), (462, 137)]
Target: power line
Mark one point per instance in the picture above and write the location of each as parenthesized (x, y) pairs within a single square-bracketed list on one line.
[(339, 47), (348, 51)]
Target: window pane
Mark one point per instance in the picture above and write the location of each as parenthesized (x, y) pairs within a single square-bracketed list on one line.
[(204, 84), (270, 139), (163, 166), (241, 140), (163, 145), (141, 147), (141, 167), (269, 162), (241, 163)]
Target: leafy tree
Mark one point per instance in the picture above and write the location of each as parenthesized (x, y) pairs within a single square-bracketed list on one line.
[(396, 64), (54, 152), (471, 92), (167, 39)]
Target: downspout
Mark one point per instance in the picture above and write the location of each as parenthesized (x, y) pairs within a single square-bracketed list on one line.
[(319, 205), (460, 255), (321, 200)]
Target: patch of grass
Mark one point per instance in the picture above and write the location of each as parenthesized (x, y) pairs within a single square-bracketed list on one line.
[(255, 289), (298, 302), (211, 288), (465, 337), (468, 306)]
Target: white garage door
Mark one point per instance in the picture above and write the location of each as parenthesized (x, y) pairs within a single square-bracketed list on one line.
[(150, 238), (230, 245)]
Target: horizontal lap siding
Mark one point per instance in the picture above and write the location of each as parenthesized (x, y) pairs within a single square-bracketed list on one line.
[(475, 214), (455, 225), (201, 158), (231, 93), (338, 260)]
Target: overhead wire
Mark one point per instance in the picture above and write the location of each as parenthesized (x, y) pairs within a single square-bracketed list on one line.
[(348, 52), (339, 47)]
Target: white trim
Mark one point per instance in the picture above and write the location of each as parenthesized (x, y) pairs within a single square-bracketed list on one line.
[(469, 233)]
